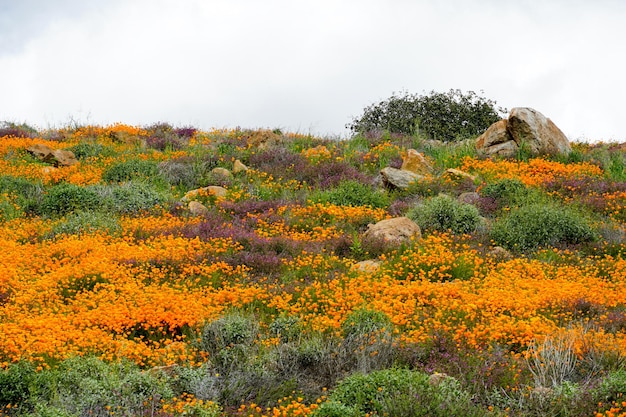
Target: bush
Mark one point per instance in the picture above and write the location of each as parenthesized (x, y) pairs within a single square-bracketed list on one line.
[(15, 383), (612, 388), (85, 150), (66, 198), (18, 130), (188, 173), (84, 222), (27, 194), (89, 386), (354, 193), (131, 197), (401, 392), (442, 116), (507, 191), (365, 321), (529, 227), (443, 213), (131, 169)]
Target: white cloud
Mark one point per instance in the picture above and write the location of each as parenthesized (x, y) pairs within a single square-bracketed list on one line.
[(305, 65)]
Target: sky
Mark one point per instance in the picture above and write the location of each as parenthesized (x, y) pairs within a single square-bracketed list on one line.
[(307, 66)]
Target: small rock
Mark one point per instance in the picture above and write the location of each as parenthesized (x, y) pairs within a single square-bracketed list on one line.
[(216, 190), (395, 231), (399, 178), (500, 254), (222, 172), (198, 209), (368, 266), (457, 174), (238, 167), (469, 198), (437, 378)]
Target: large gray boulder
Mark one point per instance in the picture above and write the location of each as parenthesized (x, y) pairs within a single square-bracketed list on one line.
[(531, 128), (398, 178), (525, 127)]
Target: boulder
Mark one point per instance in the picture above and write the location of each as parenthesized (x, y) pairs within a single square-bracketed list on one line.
[(395, 231), (524, 127), (39, 151), (494, 135), (416, 163), (529, 127), (399, 178), (238, 167), (56, 157), (263, 139), (198, 209), (222, 173), (215, 190)]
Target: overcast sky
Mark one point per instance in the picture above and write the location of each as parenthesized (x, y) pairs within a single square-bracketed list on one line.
[(307, 66)]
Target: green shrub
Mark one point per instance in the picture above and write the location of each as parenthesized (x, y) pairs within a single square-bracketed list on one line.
[(507, 192), (85, 150), (365, 321), (444, 213), (229, 340), (402, 392), (442, 116), (15, 382), (87, 386), (85, 222), (66, 198), (535, 225), (354, 193), (131, 169), (335, 409), (27, 194), (133, 197), (287, 328), (612, 387), (188, 173)]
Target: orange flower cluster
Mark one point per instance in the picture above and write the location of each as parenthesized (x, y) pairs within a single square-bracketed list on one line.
[(115, 297), (287, 407), (535, 172), (317, 154)]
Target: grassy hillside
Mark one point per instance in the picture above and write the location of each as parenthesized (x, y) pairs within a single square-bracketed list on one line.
[(118, 297)]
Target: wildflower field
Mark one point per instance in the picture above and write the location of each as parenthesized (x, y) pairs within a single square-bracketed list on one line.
[(116, 298)]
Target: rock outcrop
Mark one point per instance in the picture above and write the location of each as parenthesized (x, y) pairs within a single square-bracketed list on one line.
[(525, 127), (238, 167), (416, 162), (56, 157), (395, 231), (198, 209), (528, 126), (398, 178)]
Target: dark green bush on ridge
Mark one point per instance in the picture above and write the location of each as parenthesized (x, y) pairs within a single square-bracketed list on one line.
[(442, 116)]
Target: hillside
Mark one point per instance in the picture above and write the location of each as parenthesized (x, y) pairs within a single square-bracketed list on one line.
[(161, 271)]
